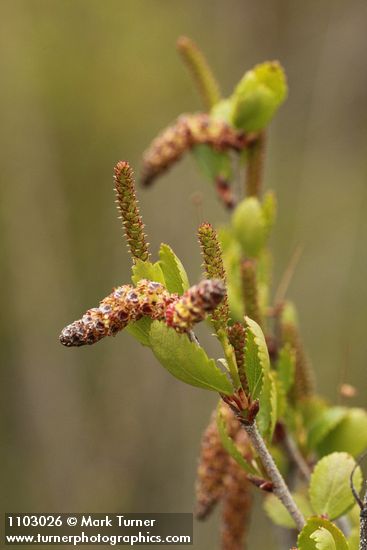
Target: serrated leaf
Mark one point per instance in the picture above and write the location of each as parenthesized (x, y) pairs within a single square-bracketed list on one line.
[(280, 515), (323, 425), (256, 358), (349, 435), (306, 538), (230, 445), (324, 540), (285, 367), (140, 330), (147, 270), (173, 271), (186, 360), (261, 385), (330, 491)]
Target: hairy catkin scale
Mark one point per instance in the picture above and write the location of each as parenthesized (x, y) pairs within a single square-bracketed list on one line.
[(124, 305), (128, 206), (188, 130), (214, 268), (237, 338), (304, 383), (195, 304), (213, 463), (237, 500)]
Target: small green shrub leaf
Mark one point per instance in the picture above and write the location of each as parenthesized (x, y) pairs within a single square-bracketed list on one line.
[(173, 271), (330, 491), (349, 435), (261, 385), (186, 360), (147, 270), (230, 445), (140, 330), (314, 537), (213, 163), (280, 515), (323, 425)]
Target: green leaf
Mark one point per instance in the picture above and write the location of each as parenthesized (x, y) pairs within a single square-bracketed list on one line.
[(261, 385), (257, 96), (147, 270), (253, 366), (324, 540), (280, 515), (212, 163), (230, 445), (312, 536), (173, 271), (140, 330), (349, 435), (353, 539), (186, 360), (330, 491), (323, 425)]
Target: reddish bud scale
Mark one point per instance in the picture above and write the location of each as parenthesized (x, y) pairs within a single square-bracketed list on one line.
[(195, 304), (189, 130), (124, 305)]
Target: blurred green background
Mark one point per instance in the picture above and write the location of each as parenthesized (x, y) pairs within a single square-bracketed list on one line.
[(85, 83)]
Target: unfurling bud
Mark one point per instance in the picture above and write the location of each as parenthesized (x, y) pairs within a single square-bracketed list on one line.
[(250, 226), (200, 71), (128, 206), (124, 305), (213, 463), (214, 268), (195, 304), (237, 500), (188, 131), (257, 96)]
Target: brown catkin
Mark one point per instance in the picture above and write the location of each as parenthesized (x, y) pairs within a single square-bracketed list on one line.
[(213, 463), (127, 304), (187, 131), (124, 305), (195, 304), (304, 382), (237, 338), (237, 500)]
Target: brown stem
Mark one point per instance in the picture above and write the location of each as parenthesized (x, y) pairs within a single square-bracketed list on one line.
[(280, 488)]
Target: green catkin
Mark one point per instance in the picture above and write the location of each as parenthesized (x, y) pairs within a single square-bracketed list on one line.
[(127, 204), (249, 290), (200, 71), (214, 268)]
